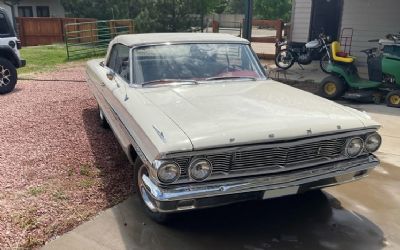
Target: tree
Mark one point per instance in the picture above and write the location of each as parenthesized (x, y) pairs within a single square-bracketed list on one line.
[(102, 9), (150, 15), (235, 7), (204, 7), (173, 15), (163, 16), (273, 9)]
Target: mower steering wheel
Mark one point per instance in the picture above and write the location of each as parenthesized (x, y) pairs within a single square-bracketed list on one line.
[(369, 51)]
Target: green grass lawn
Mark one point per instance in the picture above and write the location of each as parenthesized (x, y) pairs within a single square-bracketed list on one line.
[(46, 58), (42, 58)]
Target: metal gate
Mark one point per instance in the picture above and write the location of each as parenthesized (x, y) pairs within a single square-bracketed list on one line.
[(92, 38)]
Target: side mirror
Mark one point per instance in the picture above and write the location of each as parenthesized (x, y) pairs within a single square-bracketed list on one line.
[(110, 75)]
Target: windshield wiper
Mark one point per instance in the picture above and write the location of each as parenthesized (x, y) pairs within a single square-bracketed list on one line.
[(169, 81), (230, 77)]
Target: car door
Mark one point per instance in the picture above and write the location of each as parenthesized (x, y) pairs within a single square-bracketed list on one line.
[(111, 82), (108, 79), (122, 79)]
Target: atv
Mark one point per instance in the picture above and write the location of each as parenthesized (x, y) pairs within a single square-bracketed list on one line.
[(383, 72), (10, 58)]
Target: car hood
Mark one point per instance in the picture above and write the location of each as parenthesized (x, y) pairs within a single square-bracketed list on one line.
[(218, 114)]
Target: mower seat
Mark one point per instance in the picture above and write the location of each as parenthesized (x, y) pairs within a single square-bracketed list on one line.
[(340, 56)]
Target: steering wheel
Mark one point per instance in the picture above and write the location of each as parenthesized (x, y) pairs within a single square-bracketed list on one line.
[(230, 68), (393, 37), (234, 67), (369, 51)]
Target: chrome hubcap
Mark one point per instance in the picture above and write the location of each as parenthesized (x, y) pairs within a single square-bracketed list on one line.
[(4, 76)]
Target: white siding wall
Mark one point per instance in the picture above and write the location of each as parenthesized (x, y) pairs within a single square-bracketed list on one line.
[(370, 19), (301, 20), (55, 7)]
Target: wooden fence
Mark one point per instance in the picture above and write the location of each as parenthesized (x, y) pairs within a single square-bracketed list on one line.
[(277, 25), (44, 30)]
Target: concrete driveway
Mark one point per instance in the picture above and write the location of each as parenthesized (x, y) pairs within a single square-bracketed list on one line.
[(360, 215)]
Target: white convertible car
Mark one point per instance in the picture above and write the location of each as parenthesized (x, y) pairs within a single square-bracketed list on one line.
[(204, 126)]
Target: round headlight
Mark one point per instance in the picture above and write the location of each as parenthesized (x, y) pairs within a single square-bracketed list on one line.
[(200, 169), (373, 142), (354, 147), (168, 172)]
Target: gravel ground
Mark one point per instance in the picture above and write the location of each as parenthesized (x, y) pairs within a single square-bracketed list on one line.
[(58, 167)]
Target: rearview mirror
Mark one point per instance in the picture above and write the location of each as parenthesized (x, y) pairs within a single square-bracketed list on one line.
[(125, 64), (110, 75)]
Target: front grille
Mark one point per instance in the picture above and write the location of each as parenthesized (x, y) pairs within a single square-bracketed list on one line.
[(184, 164), (275, 159), (279, 158)]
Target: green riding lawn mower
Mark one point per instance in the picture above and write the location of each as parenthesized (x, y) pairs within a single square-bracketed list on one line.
[(383, 71)]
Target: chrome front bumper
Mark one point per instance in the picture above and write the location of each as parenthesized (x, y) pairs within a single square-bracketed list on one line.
[(217, 193)]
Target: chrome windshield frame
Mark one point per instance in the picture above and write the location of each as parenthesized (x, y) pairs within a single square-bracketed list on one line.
[(253, 55)]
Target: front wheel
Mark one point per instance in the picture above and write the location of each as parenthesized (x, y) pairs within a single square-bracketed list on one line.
[(324, 62), (393, 99), (141, 170), (332, 87), (284, 59), (8, 76)]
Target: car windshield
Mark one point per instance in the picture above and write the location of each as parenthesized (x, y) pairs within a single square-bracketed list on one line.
[(194, 62)]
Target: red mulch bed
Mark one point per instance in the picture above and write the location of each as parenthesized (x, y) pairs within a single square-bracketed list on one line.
[(58, 167)]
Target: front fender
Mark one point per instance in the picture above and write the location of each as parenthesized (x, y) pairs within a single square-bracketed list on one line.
[(7, 52)]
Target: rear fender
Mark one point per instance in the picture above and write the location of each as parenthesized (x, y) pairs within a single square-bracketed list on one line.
[(391, 66)]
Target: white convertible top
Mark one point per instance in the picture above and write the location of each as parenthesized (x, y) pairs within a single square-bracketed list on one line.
[(157, 38)]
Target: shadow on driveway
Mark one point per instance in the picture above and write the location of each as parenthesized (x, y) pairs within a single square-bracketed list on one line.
[(313, 220), (115, 170)]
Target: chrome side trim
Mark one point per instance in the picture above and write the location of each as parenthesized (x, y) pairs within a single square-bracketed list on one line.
[(135, 146), (119, 129)]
